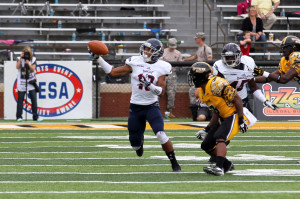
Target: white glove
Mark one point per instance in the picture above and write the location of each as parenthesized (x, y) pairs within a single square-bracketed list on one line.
[(201, 134), (270, 104)]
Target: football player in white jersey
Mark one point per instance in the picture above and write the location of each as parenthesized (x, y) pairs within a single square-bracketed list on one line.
[(148, 75)]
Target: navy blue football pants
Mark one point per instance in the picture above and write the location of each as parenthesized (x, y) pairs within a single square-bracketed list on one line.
[(138, 115)]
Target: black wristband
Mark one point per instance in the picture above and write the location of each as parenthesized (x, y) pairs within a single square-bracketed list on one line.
[(278, 78), (207, 128), (241, 120), (267, 80)]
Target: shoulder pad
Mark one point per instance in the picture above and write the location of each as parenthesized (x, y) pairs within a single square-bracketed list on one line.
[(248, 62), (132, 59), (218, 85), (295, 61)]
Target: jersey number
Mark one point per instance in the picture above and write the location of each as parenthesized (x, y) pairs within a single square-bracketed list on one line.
[(150, 77), (241, 84)]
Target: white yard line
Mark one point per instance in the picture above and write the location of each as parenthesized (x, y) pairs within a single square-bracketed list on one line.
[(97, 146), (146, 141), (126, 137), (147, 182), (145, 192), (130, 151), (142, 165), (83, 173)]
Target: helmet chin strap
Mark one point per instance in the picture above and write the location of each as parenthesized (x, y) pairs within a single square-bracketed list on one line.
[(145, 57)]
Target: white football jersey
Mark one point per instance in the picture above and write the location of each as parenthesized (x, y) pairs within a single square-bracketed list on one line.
[(238, 78), (152, 72)]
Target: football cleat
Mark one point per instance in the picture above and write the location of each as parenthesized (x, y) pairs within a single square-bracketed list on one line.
[(217, 171), (176, 168), (229, 168), (140, 151)]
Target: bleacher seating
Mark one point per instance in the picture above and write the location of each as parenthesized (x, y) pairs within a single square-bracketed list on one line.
[(113, 23), (230, 21)]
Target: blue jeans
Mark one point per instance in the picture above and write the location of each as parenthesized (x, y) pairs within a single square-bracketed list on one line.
[(33, 97)]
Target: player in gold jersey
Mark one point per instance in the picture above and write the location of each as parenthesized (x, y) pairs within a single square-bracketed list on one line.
[(289, 66), (227, 107)]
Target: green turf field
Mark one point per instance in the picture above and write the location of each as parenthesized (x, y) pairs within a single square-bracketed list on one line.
[(84, 164)]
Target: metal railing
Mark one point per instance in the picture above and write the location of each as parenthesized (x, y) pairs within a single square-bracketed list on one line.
[(206, 7)]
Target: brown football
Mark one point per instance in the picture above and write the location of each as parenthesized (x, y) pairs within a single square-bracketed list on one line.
[(98, 47)]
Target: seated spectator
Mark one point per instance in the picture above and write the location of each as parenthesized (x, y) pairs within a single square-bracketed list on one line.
[(266, 11), (199, 110), (204, 52), (255, 25), (245, 44)]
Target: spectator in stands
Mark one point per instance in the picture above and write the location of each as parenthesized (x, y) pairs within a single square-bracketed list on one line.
[(26, 81), (266, 12), (245, 44), (171, 54), (204, 52), (255, 25)]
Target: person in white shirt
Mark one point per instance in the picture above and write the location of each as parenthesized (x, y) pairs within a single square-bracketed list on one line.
[(148, 82), (26, 82)]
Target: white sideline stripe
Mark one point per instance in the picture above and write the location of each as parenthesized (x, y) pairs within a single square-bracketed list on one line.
[(157, 142), (130, 158), (83, 173), (130, 151), (165, 182), (145, 192), (147, 141), (126, 137), (142, 165)]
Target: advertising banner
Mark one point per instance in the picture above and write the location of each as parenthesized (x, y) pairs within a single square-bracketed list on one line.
[(65, 90), (285, 96)]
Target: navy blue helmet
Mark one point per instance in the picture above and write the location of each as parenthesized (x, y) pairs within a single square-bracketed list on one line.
[(231, 55), (155, 49)]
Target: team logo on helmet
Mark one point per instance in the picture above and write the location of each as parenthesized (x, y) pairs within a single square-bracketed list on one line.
[(155, 49)]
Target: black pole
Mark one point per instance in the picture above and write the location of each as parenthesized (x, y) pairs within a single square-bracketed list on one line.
[(97, 88)]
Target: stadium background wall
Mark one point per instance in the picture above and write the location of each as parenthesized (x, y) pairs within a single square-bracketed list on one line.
[(115, 99)]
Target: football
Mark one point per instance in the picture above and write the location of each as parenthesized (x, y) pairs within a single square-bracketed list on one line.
[(98, 47)]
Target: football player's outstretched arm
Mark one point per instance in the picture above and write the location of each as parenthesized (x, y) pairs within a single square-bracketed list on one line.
[(283, 78), (120, 71), (259, 95), (114, 72), (263, 76)]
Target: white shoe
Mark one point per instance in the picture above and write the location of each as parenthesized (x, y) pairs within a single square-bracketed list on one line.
[(217, 171), (19, 120), (39, 120)]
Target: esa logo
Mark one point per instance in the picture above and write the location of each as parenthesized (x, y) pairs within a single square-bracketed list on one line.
[(61, 90)]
